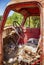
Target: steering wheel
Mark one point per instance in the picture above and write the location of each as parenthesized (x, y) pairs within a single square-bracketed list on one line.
[(15, 23), (18, 27), (16, 31)]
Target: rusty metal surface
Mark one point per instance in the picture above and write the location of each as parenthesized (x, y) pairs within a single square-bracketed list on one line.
[(1, 48), (5, 15), (21, 1)]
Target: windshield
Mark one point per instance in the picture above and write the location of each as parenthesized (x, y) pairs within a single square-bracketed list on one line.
[(14, 19)]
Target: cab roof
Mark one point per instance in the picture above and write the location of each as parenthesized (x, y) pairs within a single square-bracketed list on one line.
[(24, 7), (21, 1)]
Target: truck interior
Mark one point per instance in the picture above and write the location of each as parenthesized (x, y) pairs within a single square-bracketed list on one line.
[(20, 33)]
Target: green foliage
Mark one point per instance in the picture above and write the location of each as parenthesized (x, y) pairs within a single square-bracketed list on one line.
[(0, 18), (14, 17), (32, 21), (27, 23)]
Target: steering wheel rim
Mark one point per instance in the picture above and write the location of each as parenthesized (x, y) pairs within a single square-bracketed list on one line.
[(20, 27), (17, 34), (15, 22)]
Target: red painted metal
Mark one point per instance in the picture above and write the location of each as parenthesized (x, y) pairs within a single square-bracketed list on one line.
[(30, 33), (14, 7)]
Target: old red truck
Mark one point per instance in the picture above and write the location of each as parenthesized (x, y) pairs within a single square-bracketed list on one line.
[(27, 8)]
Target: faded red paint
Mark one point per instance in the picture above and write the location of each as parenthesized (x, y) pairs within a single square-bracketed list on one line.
[(39, 10)]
